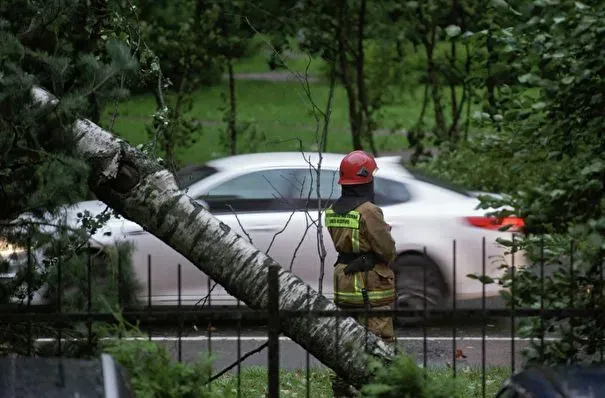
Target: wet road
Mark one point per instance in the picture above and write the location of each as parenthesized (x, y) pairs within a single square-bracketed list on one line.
[(438, 348), (435, 351)]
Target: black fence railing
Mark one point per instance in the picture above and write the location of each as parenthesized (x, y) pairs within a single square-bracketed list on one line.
[(494, 329)]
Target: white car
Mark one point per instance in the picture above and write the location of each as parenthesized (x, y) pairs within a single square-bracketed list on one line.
[(272, 199)]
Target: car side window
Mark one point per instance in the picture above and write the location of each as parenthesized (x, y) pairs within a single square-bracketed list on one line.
[(387, 191), (267, 190), (390, 192), (306, 187)]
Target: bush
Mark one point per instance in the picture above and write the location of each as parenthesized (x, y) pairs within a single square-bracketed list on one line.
[(152, 371), (405, 379), (154, 374), (64, 252), (548, 155), (108, 285)]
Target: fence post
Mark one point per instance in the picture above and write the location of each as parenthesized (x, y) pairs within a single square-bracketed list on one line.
[(59, 308), (149, 296), (454, 294), (274, 329), (29, 294)]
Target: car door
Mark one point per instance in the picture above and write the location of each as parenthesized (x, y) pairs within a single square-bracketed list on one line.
[(257, 205), (309, 266), (260, 206)]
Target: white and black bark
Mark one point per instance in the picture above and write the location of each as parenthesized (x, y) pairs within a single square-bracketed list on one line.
[(141, 190)]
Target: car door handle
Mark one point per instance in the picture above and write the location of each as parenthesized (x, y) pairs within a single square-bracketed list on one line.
[(265, 228)]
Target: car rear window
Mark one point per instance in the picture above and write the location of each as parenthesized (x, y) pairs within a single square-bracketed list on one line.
[(189, 175), (421, 176)]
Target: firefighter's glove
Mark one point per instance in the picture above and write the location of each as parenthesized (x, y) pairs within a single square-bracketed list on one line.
[(362, 263)]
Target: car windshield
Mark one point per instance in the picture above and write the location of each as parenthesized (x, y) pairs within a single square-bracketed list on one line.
[(420, 175), (189, 175)]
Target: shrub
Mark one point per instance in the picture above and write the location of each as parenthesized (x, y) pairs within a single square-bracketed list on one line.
[(152, 371), (405, 379)]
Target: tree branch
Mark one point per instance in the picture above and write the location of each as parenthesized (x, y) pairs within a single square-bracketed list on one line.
[(243, 358), (240, 223)]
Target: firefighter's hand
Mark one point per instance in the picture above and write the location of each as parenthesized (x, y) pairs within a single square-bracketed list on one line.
[(360, 264)]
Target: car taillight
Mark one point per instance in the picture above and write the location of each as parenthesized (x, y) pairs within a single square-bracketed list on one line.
[(494, 223)]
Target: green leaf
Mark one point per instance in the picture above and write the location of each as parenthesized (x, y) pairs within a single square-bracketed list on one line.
[(568, 79), (558, 20), (580, 6), (453, 30), (503, 5), (596, 99), (556, 193), (594, 168), (527, 78), (500, 4), (539, 105)]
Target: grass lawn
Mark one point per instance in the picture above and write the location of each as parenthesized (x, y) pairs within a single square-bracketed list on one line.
[(293, 383), (279, 111)]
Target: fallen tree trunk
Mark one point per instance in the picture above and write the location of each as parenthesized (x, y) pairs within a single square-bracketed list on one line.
[(142, 191)]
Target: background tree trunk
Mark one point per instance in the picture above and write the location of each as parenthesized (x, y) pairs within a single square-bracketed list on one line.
[(232, 122), (142, 191), (346, 77), (364, 107), (429, 45)]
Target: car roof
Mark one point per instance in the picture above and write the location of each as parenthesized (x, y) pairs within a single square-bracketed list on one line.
[(295, 159)]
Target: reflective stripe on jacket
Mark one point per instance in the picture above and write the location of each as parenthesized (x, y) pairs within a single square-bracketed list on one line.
[(359, 231)]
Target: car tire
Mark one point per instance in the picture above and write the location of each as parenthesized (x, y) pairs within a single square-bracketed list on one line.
[(410, 270)]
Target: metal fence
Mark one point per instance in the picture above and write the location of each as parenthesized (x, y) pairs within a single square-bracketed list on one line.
[(448, 348)]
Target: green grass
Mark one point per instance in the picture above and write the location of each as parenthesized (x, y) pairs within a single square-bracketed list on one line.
[(279, 110), (293, 383)]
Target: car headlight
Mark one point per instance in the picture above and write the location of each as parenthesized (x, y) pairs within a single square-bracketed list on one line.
[(10, 251)]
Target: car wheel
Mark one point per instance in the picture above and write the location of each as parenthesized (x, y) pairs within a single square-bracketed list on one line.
[(412, 291)]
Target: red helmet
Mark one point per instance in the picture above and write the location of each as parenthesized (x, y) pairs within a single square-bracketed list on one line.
[(357, 168)]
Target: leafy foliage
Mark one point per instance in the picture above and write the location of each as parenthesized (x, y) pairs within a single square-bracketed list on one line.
[(152, 370), (548, 155), (154, 373), (39, 171), (405, 379)]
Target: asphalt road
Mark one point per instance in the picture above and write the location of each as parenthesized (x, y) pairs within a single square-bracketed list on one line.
[(437, 349)]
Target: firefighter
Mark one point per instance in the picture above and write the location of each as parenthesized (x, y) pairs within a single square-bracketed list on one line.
[(365, 248)]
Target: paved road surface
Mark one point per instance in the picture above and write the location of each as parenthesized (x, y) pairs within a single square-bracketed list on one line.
[(439, 350), (439, 344)]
